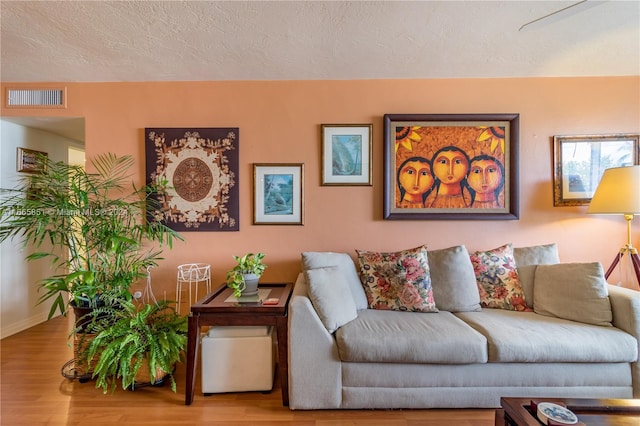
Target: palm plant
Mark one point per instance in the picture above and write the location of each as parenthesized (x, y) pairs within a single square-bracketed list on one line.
[(96, 225)]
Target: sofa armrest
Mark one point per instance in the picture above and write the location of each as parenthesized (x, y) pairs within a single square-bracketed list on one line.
[(625, 305), (315, 373)]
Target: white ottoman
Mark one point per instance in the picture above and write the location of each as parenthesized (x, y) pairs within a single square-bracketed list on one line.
[(238, 359)]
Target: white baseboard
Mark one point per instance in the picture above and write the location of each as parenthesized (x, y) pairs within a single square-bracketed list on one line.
[(7, 330)]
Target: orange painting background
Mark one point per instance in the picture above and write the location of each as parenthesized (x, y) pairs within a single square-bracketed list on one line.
[(425, 141)]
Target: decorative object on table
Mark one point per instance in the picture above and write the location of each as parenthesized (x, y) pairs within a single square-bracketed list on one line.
[(580, 161), (192, 274), (591, 411), (28, 161), (141, 347), (278, 194), (557, 413), (244, 277), (619, 193), (200, 166), (346, 154), (451, 166)]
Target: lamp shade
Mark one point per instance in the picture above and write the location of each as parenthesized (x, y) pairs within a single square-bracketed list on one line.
[(618, 192)]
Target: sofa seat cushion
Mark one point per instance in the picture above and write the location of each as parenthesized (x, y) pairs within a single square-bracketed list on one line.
[(530, 337), (409, 337)]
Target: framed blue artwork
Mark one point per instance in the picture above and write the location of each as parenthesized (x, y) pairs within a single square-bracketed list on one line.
[(278, 194), (346, 154)]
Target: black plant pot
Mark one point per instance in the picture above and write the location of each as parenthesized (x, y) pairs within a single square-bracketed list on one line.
[(85, 315)]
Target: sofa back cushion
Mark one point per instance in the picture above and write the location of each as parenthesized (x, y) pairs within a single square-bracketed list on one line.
[(331, 298), (453, 280), (347, 268), (573, 291), (527, 260), (397, 280)]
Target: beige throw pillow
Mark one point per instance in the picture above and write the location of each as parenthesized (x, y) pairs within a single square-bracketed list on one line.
[(453, 280), (330, 295), (573, 291), (344, 262)]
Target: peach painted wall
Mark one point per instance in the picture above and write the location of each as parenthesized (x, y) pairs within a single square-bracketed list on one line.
[(280, 122)]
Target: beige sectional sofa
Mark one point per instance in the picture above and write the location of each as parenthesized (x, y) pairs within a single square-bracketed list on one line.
[(462, 355)]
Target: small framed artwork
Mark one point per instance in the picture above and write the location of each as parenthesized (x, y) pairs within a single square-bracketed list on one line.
[(451, 166), (580, 161), (278, 194), (29, 160), (346, 154)]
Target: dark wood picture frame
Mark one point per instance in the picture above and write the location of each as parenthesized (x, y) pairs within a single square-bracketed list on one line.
[(29, 161), (482, 146), (579, 162)]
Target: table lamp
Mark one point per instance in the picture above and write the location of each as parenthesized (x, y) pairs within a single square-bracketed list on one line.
[(619, 193)]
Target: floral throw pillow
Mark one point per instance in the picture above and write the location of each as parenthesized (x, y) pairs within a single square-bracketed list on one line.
[(397, 281), (497, 278)]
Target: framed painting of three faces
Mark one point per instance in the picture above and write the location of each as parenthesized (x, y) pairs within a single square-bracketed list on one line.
[(451, 166)]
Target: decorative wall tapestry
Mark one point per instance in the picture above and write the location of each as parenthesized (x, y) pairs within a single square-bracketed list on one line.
[(451, 166), (200, 168)]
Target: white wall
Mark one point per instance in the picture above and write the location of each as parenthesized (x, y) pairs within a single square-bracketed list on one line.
[(18, 279)]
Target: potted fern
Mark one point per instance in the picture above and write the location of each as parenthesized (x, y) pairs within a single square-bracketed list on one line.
[(139, 346), (244, 277)]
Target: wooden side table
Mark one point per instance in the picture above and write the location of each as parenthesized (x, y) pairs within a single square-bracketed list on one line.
[(221, 309)]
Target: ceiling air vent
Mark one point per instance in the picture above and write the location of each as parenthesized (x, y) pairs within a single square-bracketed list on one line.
[(30, 98)]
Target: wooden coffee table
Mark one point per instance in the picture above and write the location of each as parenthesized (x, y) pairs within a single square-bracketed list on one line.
[(590, 412), (220, 308)]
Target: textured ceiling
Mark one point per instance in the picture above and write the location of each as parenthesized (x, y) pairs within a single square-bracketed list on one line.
[(96, 41)]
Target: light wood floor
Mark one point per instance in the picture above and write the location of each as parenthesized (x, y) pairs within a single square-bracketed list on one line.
[(33, 392)]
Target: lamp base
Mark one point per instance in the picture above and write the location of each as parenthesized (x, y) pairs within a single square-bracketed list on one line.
[(635, 261)]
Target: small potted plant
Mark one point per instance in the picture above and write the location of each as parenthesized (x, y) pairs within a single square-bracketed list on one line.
[(243, 278), (140, 345)]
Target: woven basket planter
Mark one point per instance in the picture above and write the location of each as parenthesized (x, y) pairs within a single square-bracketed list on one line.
[(81, 342), (143, 376)]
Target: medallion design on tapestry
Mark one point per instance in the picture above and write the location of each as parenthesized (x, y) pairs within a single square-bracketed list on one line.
[(200, 169)]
